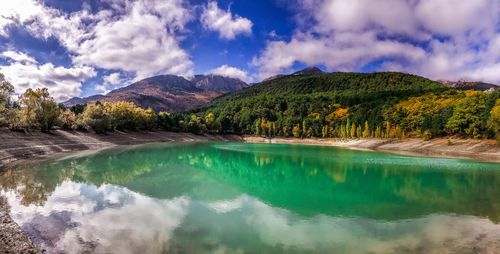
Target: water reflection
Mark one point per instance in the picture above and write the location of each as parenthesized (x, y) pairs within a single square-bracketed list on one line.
[(249, 198)]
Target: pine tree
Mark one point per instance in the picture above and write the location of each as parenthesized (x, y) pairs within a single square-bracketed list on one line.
[(358, 131), (304, 129), (387, 130), (366, 132), (348, 129), (353, 130)]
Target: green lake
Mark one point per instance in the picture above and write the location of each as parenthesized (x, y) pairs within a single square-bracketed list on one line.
[(255, 198)]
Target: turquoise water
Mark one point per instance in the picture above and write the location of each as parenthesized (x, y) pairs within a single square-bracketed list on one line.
[(256, 198)]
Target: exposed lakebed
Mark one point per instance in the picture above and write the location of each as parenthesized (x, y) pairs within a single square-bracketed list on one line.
[(255, 198)]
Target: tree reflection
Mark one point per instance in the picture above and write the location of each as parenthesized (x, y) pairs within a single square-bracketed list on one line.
[(308, 180)]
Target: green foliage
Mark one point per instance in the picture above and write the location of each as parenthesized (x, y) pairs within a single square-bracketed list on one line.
[(466, 118), (78, 108)]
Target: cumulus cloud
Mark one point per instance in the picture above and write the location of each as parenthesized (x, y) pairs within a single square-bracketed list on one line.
[(25, 72), (446, 39), (231, 72), (110, 80), (140, 36), (229, 27), (18, 11)]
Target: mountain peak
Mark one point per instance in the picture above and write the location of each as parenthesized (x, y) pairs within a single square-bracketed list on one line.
[(309, 71), (169, 92)]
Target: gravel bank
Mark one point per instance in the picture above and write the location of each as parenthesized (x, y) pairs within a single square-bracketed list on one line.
[(487, 150)]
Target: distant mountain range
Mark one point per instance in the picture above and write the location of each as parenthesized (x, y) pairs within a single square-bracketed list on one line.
[(172, 93), (470, 85), (168, 93)]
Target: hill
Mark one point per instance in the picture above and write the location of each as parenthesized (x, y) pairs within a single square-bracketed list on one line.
[(335, 82), (346, 105), (168, 93)]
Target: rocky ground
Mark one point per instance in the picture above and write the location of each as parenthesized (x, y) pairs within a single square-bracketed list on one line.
[(16, 146), (12, 238)]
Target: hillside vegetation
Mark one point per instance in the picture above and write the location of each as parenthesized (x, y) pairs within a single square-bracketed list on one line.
[(350, 105), (338, 105)]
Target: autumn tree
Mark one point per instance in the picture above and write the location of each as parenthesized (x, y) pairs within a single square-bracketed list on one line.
[(95, 117), (67, 119), (494, 120), (366, 131), (6, 90), (296, 131), (39, 109)]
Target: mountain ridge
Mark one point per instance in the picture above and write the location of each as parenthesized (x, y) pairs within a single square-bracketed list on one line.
[(168, 93)]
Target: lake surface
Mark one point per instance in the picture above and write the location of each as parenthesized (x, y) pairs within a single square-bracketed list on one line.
[(256, 198)]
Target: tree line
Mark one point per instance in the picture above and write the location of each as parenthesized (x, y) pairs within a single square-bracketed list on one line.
[(337, 114)]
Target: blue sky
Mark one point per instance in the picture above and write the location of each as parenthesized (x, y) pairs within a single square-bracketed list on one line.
[(85, 47)]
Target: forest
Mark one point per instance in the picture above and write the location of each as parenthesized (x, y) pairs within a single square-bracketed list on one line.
[(335, 105)]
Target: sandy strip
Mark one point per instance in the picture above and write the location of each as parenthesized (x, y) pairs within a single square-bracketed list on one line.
[(484, 150)]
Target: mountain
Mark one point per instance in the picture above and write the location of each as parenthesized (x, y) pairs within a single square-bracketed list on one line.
[(168, 93), (335, 82), (309, 71), (470, 85)]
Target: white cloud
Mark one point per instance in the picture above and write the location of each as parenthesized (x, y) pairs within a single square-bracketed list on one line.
[(447, 39), (229, 27), (18, 11), (113, 78), (140, 36), (110, 81), (25, 72), (19, 57), (231, 72)]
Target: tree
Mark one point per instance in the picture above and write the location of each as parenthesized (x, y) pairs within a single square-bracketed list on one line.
[(353, 131), (95, 117), (6, 90), (39, 109), (466, 118), (67, 119), (399, 132), (210, 122), (378, 132), (123, 115), (358, 131), (494, 120), (296, 131), (304, 128), (387, 130), (366, 131)]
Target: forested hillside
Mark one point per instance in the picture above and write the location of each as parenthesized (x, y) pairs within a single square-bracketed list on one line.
[(347, 105)]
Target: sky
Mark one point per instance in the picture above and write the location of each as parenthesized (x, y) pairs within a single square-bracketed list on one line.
[(86, 47)]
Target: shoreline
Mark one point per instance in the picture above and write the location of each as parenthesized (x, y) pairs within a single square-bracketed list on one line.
[(482, 150), (17, 147)]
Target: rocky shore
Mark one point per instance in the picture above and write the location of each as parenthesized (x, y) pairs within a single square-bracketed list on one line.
[(15, 146)]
